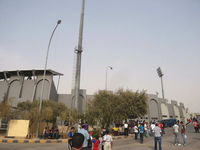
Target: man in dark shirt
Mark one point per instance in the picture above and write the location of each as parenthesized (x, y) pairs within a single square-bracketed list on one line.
[(141, 130), (77, 141), (70, 135)]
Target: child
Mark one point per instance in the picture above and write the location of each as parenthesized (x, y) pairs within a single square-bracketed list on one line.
[(70, 135), (96, 142)]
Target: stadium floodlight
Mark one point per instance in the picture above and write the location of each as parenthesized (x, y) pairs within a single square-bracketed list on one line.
[(159, 71)]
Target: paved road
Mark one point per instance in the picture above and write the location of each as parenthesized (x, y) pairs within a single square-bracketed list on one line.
[(193, 143)]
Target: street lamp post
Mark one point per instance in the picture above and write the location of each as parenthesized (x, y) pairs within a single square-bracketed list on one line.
[(108, 67), (160, 74), (43, 79)]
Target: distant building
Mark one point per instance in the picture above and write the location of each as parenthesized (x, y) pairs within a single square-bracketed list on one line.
[(161, 109), (22, 85), (195, 115)]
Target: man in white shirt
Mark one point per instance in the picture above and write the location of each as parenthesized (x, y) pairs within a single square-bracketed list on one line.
[(136, 131), (107, 139), (152, 127), (126, 129), (175, 131), (157, 136)]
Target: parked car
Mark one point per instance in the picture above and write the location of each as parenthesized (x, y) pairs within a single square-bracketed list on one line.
[(168, 122)]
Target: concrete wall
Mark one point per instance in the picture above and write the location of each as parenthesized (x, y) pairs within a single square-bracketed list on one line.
[(154, 107), (158, 108), (171, 110), (14, 88), (66, 99), (18, 89), (27, 90), (164, 111), (53, 93), (47, 87), (3, 89)]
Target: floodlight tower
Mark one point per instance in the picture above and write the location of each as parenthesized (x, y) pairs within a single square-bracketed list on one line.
[(160, 74), (106, 81), (78, 51)]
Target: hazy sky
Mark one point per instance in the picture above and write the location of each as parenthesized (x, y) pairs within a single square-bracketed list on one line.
[(132, 36)]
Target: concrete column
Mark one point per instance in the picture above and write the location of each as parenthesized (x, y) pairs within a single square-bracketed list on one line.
[(8, 86), (35, 84), (21, 79)]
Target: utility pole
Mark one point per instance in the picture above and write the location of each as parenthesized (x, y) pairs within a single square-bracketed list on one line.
[(78, 51), (160, 74)]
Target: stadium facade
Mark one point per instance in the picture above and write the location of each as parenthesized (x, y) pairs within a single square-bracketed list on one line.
[(22, 85)]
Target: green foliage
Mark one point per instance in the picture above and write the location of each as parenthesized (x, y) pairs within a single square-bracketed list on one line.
[(50, 110), (30, 111), (5, 110), (108, 107), (134, 104), (96, 133)]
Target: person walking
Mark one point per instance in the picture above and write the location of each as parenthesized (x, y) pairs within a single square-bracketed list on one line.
[(120, 130), (157, 136), (136, 131), (126, 129), (86, 137), (70, 135), (45, 133), (108, 140), (96, 143), (151, 128), (195, 126), (175, 131), (141, 129), (56, 133), (103, 133), (161, 127), (146, 129), (183, 130)]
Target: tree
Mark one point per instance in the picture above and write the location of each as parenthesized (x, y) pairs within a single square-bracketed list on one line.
[(101, 108), (108, 107), (30, 111), (5, 110), (133, 104)]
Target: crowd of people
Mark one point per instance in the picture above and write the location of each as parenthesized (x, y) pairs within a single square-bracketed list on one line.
[(89, 141), (154, 129), (81, 138), (52, 133)]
